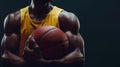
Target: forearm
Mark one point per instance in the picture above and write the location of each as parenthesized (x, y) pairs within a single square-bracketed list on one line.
[(9, 58), (74, 57)]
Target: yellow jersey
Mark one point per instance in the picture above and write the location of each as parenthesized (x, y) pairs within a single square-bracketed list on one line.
[(28, 25)]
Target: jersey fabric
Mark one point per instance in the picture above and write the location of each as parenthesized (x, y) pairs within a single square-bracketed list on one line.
[(28, 25)]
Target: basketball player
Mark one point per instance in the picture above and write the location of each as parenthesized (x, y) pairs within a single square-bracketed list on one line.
[(19, 25)]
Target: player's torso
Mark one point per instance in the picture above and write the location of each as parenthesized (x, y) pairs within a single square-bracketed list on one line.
[(27, 25)]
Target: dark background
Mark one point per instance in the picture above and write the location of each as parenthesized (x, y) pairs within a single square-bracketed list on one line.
[(100, 27)]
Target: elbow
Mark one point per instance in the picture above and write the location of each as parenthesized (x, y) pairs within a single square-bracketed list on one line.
[(77, 62)]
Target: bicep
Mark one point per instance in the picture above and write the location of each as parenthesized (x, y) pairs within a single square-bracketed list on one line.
[(10, 43)]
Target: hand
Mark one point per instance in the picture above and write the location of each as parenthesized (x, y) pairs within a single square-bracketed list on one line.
[(33, 54), (31, 51)]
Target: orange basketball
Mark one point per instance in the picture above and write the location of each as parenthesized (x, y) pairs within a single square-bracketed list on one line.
[(51, 41)]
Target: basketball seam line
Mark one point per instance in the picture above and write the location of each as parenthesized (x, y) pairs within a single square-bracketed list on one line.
[(44, 34)]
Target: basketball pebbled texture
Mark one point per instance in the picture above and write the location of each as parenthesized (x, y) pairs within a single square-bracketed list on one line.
[(52, 42)]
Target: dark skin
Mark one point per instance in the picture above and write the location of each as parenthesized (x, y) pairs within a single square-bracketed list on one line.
[(68, 22)]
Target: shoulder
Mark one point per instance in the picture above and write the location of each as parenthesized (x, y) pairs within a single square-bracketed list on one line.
[(12, 23), (69, 22), (13, 16)]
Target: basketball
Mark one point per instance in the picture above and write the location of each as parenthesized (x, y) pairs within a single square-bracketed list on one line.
[(52, 42)]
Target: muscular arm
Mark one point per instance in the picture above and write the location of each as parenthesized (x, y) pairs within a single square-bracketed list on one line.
[(70, 24), (10, 41)]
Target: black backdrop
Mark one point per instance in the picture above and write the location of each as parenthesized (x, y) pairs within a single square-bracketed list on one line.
[(100, 23)]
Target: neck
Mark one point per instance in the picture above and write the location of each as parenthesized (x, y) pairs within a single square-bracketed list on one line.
[(39, 9), (37, 5)]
